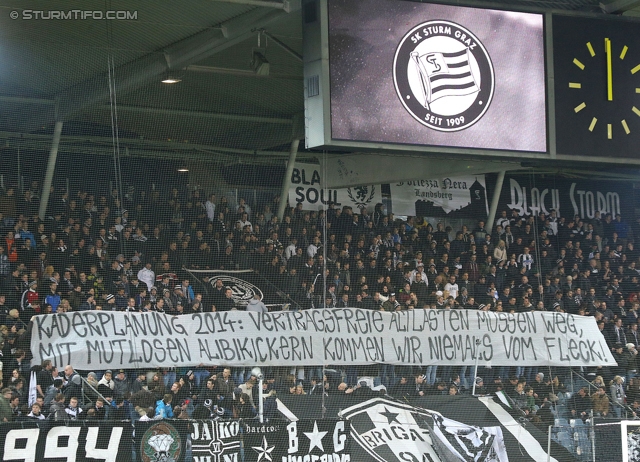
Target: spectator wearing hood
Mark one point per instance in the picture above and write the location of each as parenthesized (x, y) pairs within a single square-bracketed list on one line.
[(256, 305), (163, 407), (57, 411), (189, 388), (480, 388), (73, 387)]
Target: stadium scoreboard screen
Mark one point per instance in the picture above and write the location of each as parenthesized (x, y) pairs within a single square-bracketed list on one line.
[(405, 76)]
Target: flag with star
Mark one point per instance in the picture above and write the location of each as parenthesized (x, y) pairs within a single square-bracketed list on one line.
[(263, 452), (428, 429), (388, 430), (305, 439)]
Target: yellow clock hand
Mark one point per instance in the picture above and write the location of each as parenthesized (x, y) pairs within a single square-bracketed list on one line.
[(607, 47)]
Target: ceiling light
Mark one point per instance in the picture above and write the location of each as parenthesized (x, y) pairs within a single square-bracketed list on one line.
[(171, 79), (183, 169), (259, 63)]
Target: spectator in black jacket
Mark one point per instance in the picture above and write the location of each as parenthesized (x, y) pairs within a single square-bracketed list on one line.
[(579, 404), (226, 303)]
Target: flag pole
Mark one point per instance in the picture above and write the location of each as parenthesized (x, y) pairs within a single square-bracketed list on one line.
[(475, 369), (424, 80)]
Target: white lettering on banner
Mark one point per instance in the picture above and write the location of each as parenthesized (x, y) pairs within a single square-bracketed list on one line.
[(584, 203), (307, 189), (61, 443), (539, 201), (315, 439), (108, 454), (315, 337), (609, 203), (27, 450), (69, 451), (215, 441), (292, 429)]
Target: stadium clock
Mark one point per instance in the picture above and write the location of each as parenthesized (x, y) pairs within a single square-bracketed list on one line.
[(597, 86), (602, 72)]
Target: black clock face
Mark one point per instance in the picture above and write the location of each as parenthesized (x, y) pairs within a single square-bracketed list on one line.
[(597, 86)]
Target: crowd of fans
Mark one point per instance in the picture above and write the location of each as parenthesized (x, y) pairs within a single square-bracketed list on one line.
[(131, 253)]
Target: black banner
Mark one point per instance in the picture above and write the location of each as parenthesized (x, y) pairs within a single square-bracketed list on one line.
[(431, 428), (215, 440), (44, 441), (530, 195), (243, 283), (608, 444), (301, 441), (161, 440)]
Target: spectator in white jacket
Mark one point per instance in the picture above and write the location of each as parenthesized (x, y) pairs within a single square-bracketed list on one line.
[(147, 276)]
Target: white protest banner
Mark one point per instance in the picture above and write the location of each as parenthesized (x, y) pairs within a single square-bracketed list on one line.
[(309, 189), (93, 339), (452, 196)]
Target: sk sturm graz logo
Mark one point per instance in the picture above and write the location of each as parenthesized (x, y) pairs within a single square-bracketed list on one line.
[(443, 76), (161, 443), (361, 196), (241, 290)]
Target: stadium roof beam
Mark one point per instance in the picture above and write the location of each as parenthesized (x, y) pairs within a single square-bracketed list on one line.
[(618, 6), (286, 182), (494, 201), (284, 5), (137, 147), (51, 166), (241, 72), (174, 57), (163, 111), (284, 46), (211, 115)]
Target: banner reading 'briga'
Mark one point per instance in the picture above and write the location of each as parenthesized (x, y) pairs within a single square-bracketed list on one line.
[(97, 339)]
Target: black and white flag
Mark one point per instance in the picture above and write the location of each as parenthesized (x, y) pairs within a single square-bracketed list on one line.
[(390, 431), (321, 440)]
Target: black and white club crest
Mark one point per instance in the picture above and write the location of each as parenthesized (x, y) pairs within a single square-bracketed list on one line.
[(391, 431), (443, 75), (387, 430), (241, 291)]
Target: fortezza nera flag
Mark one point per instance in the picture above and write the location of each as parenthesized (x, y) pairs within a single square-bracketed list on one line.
[(445, 74)]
